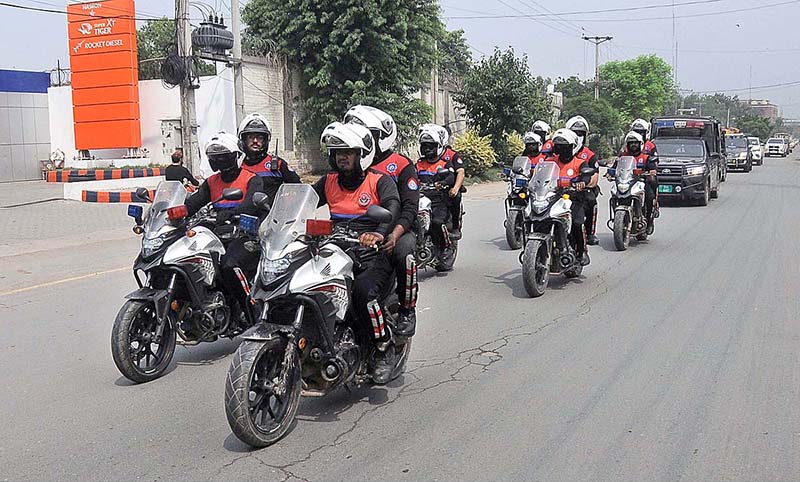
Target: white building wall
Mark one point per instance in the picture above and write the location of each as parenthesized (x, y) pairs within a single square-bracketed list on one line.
[(24, 135)]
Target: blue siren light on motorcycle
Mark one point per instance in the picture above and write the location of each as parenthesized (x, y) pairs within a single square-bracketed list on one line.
[(519, 182), (506, 171), (135, 211), (249, 224)]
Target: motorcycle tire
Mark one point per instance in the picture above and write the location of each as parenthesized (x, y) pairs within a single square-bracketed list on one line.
[(622, 232), (535, 268), (130, 325), (247, 387), (447, 259), (514, 229)]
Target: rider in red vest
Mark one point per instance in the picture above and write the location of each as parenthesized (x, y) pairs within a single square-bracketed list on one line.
[(433, 160), (542, 129), (642, 127), (648, 163), (533, 145), (349, 190), (239, 263), (565, 150), (401, 242), (580, 127), (254, 138)]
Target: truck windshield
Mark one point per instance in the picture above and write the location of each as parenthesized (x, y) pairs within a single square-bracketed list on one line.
[(680, 148), (735, 143), (775, 140)]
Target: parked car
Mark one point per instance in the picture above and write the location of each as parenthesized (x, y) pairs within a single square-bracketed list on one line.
[(756, 150), (776, 146), (739, 155), (687, 170)]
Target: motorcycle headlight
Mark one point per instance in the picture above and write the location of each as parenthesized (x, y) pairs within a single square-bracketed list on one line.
[(540, 205), (623, 186), (151, 245), (696, 171), (272, 269)]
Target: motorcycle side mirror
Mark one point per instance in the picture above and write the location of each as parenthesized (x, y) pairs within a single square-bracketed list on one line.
[(604, 162), (588, 171), (143, 193), (231, 194), (379, 214), (261, 201)]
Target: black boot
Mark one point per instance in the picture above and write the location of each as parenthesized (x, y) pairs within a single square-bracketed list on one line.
[(407, 323), (383, 363), (592, 240), (584, 258)]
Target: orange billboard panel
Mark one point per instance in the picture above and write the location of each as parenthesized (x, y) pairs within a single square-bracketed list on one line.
[(108, 134), (99, 45), (100, 27), (106, 61), (103, 78), (104, 95), (81, 12), (106, 112)]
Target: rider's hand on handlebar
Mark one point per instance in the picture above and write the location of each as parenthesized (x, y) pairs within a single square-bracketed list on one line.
[(388, 243), (370, 240)]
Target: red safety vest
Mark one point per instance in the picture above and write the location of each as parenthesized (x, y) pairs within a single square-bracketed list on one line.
[(568, 171), (345, 204), (547, 147), (584, 154), (216, 185), (427, 169), (641, 159), (448, 155), (268, 167), (393, 165), (649, 148), (536, 159)]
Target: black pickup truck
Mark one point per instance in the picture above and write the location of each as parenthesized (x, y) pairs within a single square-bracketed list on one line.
[(692, 157)]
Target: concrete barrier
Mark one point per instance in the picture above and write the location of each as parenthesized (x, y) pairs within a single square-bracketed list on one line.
[(74, 190)]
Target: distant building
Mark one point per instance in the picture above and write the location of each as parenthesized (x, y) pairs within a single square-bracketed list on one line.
[(763, 108), (24, 129)]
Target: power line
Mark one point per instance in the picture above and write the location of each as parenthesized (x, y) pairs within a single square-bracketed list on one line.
[(62, 12), (550, 26), (743, 89), (695, 15)]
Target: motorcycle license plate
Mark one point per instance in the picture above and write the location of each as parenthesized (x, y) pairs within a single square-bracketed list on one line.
[(665, 188)]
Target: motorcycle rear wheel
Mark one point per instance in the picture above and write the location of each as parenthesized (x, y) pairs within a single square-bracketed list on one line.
[(514, 229), (256, 415), (133, 338), (535, 268), (622, 233)]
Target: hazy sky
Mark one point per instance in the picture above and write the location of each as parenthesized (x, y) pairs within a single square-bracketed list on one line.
[(716, 52)]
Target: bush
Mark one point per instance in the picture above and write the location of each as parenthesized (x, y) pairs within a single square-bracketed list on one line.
[(476, 151), (510, 147)]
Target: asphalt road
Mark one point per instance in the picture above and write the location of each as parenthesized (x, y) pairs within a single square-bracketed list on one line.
[(677, 359)]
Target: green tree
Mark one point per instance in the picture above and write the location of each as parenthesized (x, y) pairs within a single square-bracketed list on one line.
[(500, 95), (717, 105), (154, 41), (454, 58), (573, 87), (641, 87), (756, 125), (606, 124), (377, 52)]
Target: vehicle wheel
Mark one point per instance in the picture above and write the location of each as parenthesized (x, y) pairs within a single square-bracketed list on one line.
[(256, 415), (535, 268), (703, 201), (138, 353), (622, 232), (514, 229), (448, 258)]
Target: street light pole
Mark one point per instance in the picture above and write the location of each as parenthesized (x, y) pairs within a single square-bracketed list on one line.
[(597, 41)]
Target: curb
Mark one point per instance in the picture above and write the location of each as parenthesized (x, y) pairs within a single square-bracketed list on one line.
[(112, 197), (77, 175)]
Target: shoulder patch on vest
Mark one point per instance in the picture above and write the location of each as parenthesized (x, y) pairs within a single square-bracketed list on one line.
[(412, 184), (364, 199)]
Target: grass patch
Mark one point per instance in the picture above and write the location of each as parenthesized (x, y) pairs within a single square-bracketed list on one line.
[(491, 175)]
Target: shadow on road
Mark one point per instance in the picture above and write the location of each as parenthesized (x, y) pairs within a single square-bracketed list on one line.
[(501, 243), (513, 279)]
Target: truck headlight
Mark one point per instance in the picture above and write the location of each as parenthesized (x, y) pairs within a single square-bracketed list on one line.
[(742, 155), (696, 171)]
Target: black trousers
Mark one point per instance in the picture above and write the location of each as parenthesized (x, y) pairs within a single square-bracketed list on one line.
[(580, 208), (405, 267), (456, 210), (239, 266), (590, 224), (650, 192), (370, 284)]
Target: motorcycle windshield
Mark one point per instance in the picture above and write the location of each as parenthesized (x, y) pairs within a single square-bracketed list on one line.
[(521, 165), (294, 204), (625, 167), (168, 194), (545, 179)]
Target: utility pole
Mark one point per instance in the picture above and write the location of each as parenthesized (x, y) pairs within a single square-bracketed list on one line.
[(191, 150), (596, 41), (238, 76)]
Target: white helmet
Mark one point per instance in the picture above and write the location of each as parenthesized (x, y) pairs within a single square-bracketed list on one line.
[(255, 123), (223, 152), (531, 138), (567, 136), (375, 120), (541, 126), (349, 136), (577, 123), (633, 136), (642, 127), (432, 134)]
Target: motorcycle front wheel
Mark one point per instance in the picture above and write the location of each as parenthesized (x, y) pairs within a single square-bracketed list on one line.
[(514, 229), (138, 351), (257, 415), (535, 268), (622, 232)]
